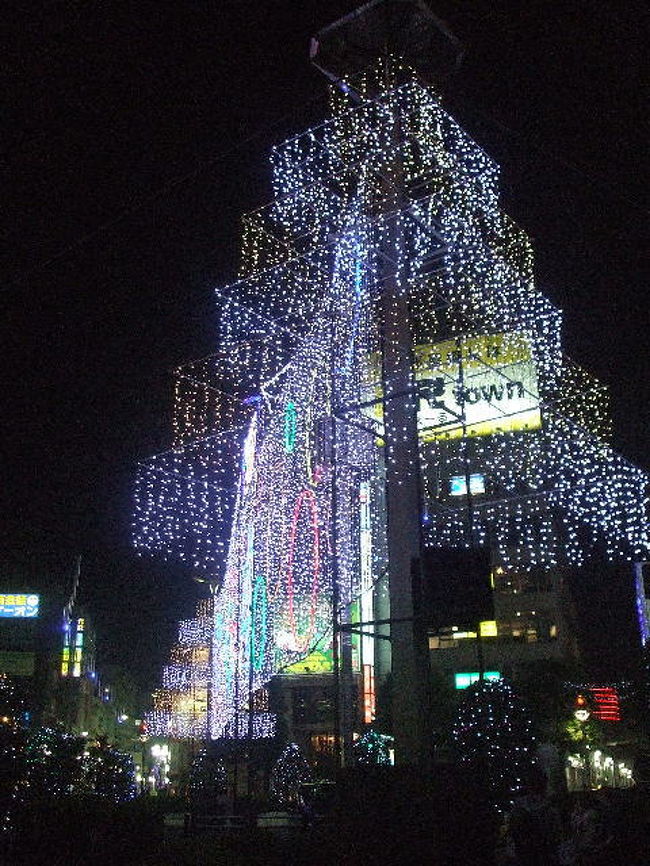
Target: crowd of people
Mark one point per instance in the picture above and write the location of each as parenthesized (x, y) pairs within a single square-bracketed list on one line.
[(543, 830)]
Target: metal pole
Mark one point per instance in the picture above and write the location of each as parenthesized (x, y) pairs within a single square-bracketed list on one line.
[(208, 696), (409, 652), (249, 732), (338, 751), (403, 521), (235, 769), (471, 538)]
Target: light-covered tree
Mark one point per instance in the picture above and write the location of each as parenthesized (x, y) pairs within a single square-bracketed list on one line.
[(493, 733), (373, 748), (290, 771)]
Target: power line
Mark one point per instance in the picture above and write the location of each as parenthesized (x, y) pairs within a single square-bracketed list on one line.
[(596, 180), (161, 191)]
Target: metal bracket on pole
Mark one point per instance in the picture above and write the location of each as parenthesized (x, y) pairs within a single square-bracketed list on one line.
[(355, 627)]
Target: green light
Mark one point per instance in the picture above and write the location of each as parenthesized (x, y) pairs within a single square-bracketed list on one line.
[(290, 425), (259, 606), (463, 680), (316, 662)]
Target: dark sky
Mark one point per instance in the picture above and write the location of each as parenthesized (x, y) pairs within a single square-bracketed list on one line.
[(135, 135)]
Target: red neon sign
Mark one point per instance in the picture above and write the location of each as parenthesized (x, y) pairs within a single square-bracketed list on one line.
[(606, 705)]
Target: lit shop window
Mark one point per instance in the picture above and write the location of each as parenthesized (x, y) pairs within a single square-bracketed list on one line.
[(323, 743), (451, 637)]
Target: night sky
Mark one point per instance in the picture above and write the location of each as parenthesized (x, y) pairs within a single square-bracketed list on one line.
[(136, 134)]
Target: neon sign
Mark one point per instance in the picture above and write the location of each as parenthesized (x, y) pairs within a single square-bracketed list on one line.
[(19, 605), (290, 424)]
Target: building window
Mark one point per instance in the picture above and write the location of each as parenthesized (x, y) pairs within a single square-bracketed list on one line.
[(325, 744), (311, 706)]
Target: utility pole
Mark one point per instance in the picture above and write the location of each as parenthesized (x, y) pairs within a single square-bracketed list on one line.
[(409, 667), (409, 27)]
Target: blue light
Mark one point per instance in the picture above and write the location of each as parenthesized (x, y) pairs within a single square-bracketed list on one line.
[(19, 605), (458, 484)]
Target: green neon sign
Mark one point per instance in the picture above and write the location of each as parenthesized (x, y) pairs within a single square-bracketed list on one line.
[(464, 680)]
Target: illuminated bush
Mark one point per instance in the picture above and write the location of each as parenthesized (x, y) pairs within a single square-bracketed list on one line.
[(288, 774), (493, 735)]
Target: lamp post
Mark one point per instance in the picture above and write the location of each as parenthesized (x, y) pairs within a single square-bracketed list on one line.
[(143, 737)]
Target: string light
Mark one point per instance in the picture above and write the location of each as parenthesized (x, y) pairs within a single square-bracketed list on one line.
[(373, 748), (493, 734), (288, 412), (180, 704), (288, 773)]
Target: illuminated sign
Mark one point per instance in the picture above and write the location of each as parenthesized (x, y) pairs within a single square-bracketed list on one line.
[(489, 385), (317, 662), (19, 605), (73, 647), (472, 386), (369, 696), (78, 647), (488, 628), (320, 660), (606, 705), (464, 680), (458, 484)]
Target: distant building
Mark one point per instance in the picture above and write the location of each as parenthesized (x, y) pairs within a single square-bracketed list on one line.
[(48, 647), (33, 594), (79, 691)]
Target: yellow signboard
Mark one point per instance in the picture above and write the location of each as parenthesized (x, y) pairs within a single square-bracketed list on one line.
[(472, 386), (316, 662)]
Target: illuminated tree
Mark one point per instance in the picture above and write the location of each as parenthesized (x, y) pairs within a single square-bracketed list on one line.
[(54, 766), (12, 746), (372, 748), (110, 774), (289, 772), (286, 419), (208, 779), (11, 702), (493, 735), (180, 704)]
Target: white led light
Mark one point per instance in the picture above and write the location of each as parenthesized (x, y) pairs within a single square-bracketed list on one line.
[(246, 494)]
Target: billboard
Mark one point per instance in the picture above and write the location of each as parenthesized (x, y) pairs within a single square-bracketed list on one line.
[(492, 377), (19, 605), (473, 386)]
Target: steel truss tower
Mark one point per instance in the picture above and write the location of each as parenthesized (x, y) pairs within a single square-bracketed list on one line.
[(382, 296)]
